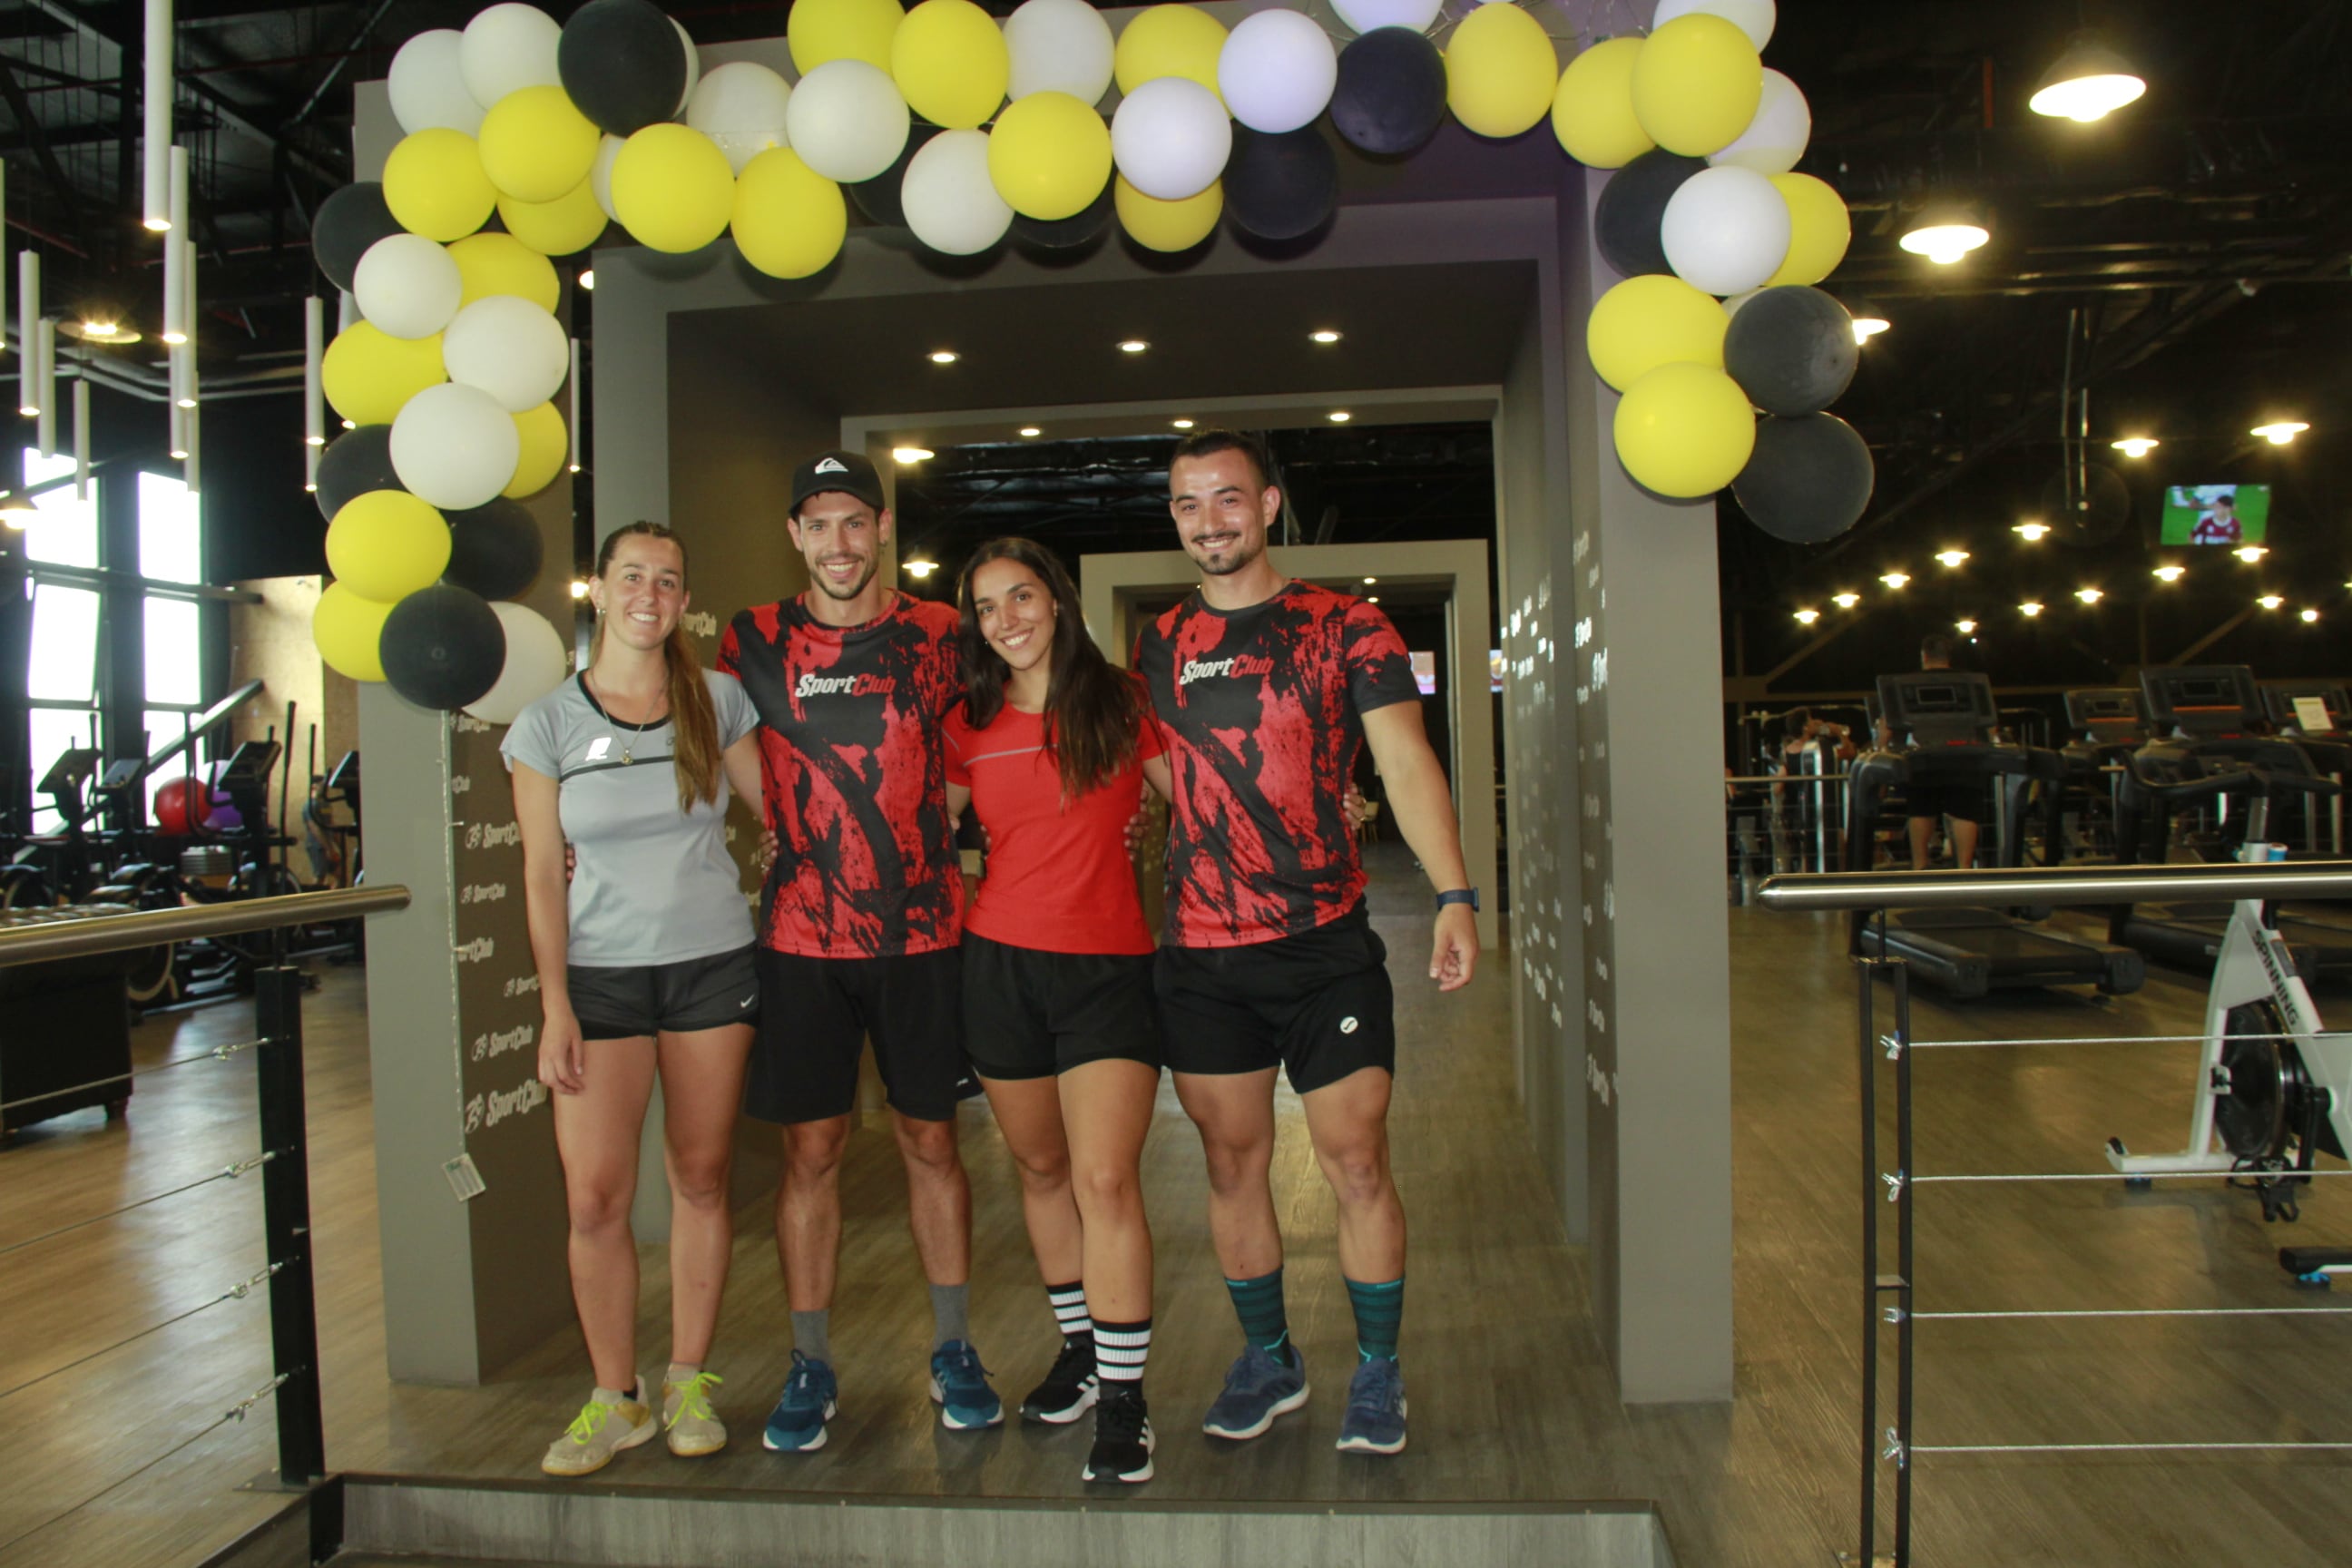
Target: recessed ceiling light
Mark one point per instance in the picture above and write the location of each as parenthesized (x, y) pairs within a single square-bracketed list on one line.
[(346, 425), (159, 225), (1965, 628), (1371, 598), (2309, 616), (945, 356), (579, 588), (1894, 579), (2136, 446), (588, 278), (2270, 601), (2089, 596), (1369, 581), (918, 567), (1133, 346), (2169, 573), (2250, 553), (314, 440), (1326, 336), (1845, 601), (1030, 432), (2032, 532), (912, 453), (1181, 424), (1339, 416), (2278, 432), (1951, 557), (1806, 617), (2031, 608)]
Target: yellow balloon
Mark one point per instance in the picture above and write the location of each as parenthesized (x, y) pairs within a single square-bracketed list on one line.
[(822, 30), (673, 188), (950, 62), (1696, 83), (348, 631), (1156, 224), (369, 374), (385, 544), (546, 449), (571, 222), (1685, 430), (435, 184), (1647, 322), (1501, 73), (1169, 41), (536, 145), (1592, 112), (1049, 157), (1819, 230), (789, 219), (503, 264)]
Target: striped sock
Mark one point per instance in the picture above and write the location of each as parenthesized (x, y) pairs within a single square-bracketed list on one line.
[(1120, 1349), (1379, 1312), (1069, 1303), (1258, 1303)]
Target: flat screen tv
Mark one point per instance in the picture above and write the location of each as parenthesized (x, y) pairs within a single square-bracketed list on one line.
[(2227, 515)]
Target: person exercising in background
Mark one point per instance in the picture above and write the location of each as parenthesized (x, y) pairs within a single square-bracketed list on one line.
[(1957, 799)]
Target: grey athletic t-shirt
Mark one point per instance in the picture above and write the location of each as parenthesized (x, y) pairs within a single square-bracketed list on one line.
[(653, 884)]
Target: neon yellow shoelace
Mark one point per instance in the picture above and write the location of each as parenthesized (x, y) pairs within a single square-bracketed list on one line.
[(591, 1421), (694, 1397)]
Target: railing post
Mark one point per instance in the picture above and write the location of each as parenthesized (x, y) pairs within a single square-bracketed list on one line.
[(286, 1224), (1865, 972)]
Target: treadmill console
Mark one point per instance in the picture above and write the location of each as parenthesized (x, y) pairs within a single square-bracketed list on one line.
[(2108, 715), (2289, 703), (2204, 701), (1938, 707)]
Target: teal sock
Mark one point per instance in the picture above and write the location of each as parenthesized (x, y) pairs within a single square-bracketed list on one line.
[(1258, 1303), (1379, 1312)]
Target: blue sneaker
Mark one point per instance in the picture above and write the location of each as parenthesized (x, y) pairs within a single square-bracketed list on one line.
[(1258, 1389), (796, 1425), (1375, 1420), (959, 1388)]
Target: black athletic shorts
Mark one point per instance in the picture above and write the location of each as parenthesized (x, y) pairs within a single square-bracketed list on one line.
[(816, 1014), (678, 998), (1964, 801), (1318, 1003), (1028, 1013)]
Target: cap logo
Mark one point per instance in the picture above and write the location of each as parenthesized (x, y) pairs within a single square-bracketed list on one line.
[(830, 465)]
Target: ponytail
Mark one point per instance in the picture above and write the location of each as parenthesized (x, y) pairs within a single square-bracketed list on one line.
[(694, 723)]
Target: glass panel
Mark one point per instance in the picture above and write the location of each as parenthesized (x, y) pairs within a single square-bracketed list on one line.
[(175, 672), (66, 532), (65, 644), (171, 535), (55, 729)]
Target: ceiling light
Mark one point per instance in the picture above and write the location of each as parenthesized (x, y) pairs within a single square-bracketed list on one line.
[(2032, 532), (187, 403), (17, 511), (1133, 346), (2278, 432), (1944, 233), (1951, 557), (588, 278), (1339, 416), (1869, 321), (348, 426), (309, 489), (1808, 617), (2136, 446), (2309, 616), (1845, 601), (2250, 553), (579, 588), (918, 567), (912, 453), (28, 410), (1030, 432), (173, 338), (1326, 336), (1369, 581), (2089, 596), (1181, 424), (2031, 608), (159, 225), (2270, 601), (572, 467), (1965, 628), (944, 356), (2168, 573), (1894, 579), (2089, 82), (102, 329)]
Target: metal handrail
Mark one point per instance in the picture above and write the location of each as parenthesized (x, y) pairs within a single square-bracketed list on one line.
[(152, 928), (2053, 886)]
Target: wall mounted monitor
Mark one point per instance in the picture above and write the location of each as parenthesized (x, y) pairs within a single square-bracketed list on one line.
[(2226, 515)]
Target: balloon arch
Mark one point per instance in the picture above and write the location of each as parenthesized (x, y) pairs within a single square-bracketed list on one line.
[(965, 131)]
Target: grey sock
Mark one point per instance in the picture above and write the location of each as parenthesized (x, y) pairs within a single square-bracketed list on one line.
[(811, 1335), (950, 1307)]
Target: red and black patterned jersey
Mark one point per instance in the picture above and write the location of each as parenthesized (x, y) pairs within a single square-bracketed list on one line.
[(1263, 712), (855, 778)]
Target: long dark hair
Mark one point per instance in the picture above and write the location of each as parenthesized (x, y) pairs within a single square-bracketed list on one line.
[(693, 725), (1092, 708)]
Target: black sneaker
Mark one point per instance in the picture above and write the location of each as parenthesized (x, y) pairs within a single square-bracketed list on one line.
[(1123, 1441), (1069, 1389)]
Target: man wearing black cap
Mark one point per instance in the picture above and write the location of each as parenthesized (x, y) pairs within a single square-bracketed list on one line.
[(860, 921)]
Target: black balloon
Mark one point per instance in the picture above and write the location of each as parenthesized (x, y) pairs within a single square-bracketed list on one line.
[(345, 224), (1791, 350), (494, 549), (1809, 480), (1632, 203), (1283, 185), (1390, 96), (359, 462), (1068, 233), (443, 647), (621, 65), (879, 197)]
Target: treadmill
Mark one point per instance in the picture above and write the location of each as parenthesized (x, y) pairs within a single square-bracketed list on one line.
[(2103, 723), (1945, 720), (2212, 720)]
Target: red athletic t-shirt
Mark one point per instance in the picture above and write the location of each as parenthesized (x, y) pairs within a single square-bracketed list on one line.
[(1263, 712), (855, 777), (1059, 879)]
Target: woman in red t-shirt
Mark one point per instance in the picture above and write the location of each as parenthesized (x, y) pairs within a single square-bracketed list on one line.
[(1052, 746)]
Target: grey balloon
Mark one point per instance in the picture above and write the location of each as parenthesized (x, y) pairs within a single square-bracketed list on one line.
[(1791, 350), (1809, 480)]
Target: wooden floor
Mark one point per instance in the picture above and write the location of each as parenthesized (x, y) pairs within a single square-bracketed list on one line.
[(1511, 1399)]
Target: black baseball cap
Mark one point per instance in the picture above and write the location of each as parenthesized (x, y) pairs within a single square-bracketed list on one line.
[(848, 472)]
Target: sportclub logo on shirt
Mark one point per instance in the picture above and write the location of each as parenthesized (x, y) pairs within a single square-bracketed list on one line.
[(814, 685), (1241, 664)]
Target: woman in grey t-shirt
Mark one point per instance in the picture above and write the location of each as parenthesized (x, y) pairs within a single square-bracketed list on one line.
[(644, 969)]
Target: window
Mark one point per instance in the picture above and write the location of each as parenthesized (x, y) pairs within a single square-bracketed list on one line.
[(65, 644), (171, 533), (55, 730), (66, 533), (174, 674)]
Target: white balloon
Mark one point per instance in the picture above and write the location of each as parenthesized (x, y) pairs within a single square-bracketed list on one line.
[(1776, 138), (509, 348), (740, 106), (846, 120), (1753, 17), (1277, 70), (427, 90), (1171, 138), (506, 48), (949, 201), (537, 659), (600, 174), (407, 286), (454, 448), (1059, 45), (1366, 14), (1726, 230), (693, 68)]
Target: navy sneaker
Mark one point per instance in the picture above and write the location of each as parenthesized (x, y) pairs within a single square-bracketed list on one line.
[(1258, 1389), (959, 1388), (1375, 1420), (1123, 1442), (796, 1425)]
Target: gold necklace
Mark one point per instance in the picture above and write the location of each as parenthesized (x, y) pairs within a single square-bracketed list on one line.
[(637, 731)]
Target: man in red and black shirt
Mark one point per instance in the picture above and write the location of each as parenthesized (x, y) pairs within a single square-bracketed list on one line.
[(1268, 689), (858, 922)]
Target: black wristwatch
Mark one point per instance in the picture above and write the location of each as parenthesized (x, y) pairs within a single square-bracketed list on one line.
[(1459, 896)]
